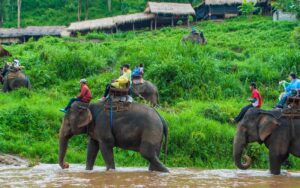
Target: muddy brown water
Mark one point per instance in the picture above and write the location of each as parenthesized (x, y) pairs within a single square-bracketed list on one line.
[(46, 175)]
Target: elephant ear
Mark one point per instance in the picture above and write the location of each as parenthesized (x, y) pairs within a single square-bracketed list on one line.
[(267, 125), (85, 117)]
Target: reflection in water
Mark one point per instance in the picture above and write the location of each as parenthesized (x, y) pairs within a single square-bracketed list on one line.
[(52, 176)]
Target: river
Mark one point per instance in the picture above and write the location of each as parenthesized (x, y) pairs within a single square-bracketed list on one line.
[(47, 175)]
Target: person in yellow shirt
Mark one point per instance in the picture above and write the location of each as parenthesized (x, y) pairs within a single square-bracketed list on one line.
[(119, 83)]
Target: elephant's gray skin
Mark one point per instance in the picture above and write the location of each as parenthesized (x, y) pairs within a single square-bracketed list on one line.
[(12, 84), (195, 38), (146, 91), (140, 129), (281, 136)]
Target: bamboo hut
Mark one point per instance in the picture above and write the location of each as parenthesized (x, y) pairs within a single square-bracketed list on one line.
[(169, 13), (220, 9), (14, 35)]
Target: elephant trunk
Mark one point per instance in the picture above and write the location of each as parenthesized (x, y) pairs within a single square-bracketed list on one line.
[(239, 146), (63, 145)]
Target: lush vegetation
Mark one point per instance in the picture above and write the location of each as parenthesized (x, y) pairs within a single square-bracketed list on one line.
[(201, 87), (288, 5), (62, 12)]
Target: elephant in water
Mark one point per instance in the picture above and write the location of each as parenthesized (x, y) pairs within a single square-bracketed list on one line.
[(13, 81), (147, 91), (140, 129), (195, 37), (280, 134)]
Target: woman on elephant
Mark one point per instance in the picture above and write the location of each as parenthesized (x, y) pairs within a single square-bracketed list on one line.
[(85, 95), (255, 100), (119, 83)]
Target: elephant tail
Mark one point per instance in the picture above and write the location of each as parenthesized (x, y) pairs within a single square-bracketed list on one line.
[(166, 135)]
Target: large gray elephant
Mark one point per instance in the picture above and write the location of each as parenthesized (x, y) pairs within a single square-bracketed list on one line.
[(280, 134), (140, 129), (10, 84), (147, 91)]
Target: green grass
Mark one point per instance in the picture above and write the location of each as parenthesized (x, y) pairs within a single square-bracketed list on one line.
[(201, 87)]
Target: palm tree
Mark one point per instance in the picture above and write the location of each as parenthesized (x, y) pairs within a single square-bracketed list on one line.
[(19, 13)]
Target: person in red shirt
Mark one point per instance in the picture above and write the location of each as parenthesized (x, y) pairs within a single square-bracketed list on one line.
[(85, 95), (255, 100)]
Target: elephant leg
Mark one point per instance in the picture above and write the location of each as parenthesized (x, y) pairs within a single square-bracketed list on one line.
[(5, 86), (93, 148), (149, 152), (108, 155), (275, 164)]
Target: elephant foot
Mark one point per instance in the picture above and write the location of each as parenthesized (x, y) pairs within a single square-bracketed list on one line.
[(89, 168), (159, 168), (110, 169)]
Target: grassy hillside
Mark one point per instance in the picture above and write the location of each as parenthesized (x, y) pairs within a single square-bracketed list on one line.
[(201, 87), (57, 12)]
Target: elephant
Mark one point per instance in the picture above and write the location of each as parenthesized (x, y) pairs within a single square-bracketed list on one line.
[(10, 84), (280, 134), (4, 53), (147, 91), (196, 38), (140, 129)]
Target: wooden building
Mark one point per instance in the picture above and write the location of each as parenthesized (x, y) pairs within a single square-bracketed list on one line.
[(169, 13), (112, 24), (220, 9), (12, 35)]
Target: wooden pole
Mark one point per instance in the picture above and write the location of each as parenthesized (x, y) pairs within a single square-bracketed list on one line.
[(155, 26), (19, 13), (133, 28), (172, 21), (151, 25)]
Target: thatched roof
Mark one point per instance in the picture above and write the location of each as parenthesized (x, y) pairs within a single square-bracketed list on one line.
[(230, 2), (170, 8), (131, 18), (108, 23), (32, 31), (104, 23)]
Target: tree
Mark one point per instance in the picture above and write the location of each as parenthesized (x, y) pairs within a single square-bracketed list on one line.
[(109, 5), (2, 12), (19, 13), (86, 9), (247, 8), (79, 10)]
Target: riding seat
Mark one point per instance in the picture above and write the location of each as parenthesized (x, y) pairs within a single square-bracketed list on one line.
[(292, 107), (119, 99)]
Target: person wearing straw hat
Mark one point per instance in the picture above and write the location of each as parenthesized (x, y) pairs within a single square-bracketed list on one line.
[(85, 95)]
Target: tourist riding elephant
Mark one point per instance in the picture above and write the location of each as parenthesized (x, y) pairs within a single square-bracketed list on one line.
[(10, 84), (281, 135), (147, 91), (140, 129)]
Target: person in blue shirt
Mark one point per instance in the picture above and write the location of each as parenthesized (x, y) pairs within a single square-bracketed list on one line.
[(290, 90)]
